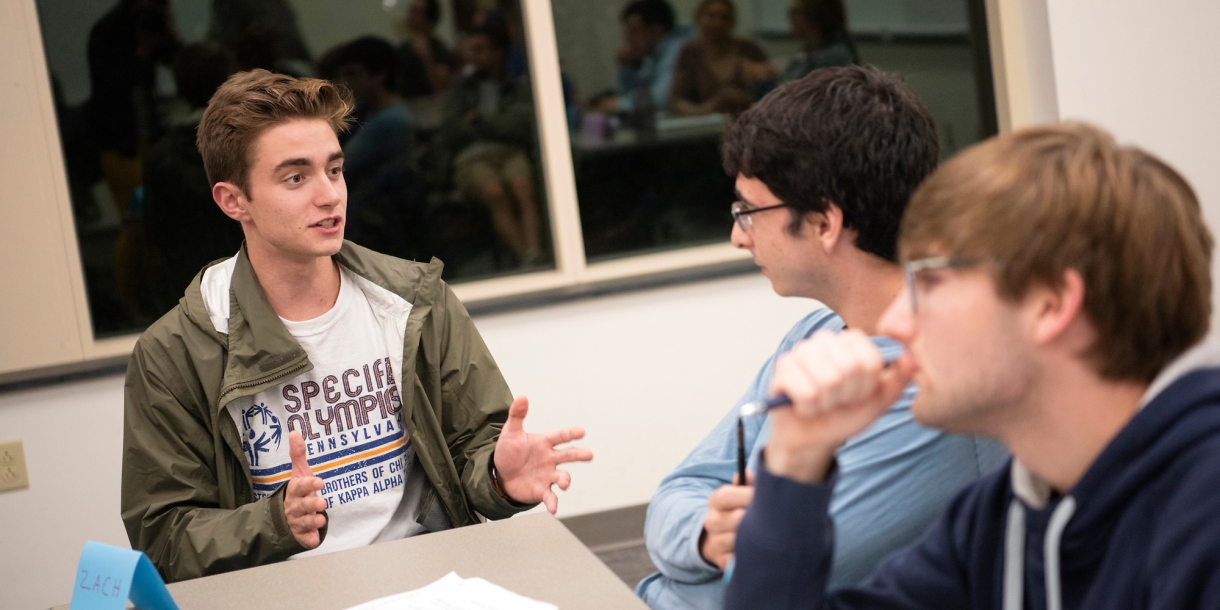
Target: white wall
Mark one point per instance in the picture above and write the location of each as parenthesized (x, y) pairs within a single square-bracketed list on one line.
[(72, 436), (648, 374), (1150, 73)]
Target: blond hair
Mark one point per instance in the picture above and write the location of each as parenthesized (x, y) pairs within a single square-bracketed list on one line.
[(1043, 200)]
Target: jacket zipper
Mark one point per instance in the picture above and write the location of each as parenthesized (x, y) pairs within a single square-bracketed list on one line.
[(249, 490), (249, 384)]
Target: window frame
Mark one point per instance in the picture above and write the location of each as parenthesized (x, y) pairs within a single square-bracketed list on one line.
[(76, 348)]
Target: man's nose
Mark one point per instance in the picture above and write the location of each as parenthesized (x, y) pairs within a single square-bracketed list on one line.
[(739, 238), (327, 193), (898, 320)]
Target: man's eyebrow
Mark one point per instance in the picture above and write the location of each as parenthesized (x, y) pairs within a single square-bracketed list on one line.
[(742, 198), (303, 162), (298, 162)]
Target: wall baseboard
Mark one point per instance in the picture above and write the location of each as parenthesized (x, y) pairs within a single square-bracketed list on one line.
[(609, 529)]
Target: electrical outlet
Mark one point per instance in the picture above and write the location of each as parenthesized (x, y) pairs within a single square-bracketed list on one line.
[(13, 474)]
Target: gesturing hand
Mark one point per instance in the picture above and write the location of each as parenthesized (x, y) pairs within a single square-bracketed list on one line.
[(726, 507), (839, 385), (527, 462), (302, 505)]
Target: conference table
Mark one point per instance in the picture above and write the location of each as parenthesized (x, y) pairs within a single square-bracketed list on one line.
[(533, 555)]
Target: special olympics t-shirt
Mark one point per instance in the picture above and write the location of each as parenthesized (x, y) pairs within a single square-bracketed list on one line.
[(348, 411)]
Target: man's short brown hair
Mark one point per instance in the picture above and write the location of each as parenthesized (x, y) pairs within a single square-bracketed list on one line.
[(248, 104), (1043, 200)]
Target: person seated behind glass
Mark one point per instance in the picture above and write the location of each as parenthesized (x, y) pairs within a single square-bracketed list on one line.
[(369, 67), (488, 129), (184, 230), (717, 72), (507, 14), (123, 51), (651, 43), (387, 200), (427, 64), (821, 26)]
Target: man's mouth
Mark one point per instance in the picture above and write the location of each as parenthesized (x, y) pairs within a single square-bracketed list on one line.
[(329, 223)]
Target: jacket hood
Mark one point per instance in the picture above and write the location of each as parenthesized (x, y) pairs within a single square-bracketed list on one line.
[(1180, 409)]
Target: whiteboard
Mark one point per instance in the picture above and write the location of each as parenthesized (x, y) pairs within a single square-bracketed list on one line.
[(882, 16)]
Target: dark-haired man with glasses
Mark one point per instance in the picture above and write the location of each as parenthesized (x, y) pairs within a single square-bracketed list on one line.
[(1058, 295), (824, 166)]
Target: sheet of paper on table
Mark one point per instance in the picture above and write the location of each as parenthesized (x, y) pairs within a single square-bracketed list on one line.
[(452, 592)]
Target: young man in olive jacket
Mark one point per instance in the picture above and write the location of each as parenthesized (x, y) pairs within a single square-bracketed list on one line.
[(309, 395)]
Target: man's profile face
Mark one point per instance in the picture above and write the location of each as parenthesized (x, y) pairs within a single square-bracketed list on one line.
[(297, 199), (640, 38), (791, 262), (975, 360)]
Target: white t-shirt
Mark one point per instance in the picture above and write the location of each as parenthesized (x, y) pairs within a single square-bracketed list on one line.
[(348, 410)]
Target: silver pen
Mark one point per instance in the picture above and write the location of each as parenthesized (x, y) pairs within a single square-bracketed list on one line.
[(759, 407)]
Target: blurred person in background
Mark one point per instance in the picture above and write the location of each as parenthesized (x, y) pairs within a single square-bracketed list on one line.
[(487, 132), (426, 62), (387, 200), (261, 33), (124, 48), (369, 67), (718, 72), (821, 26), (183, 227), (651, 43)]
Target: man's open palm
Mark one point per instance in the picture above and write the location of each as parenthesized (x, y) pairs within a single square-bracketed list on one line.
[(527, 462)]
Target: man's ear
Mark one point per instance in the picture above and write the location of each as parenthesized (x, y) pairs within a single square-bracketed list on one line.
[(827, 226), (1056, 311), (232, 201)]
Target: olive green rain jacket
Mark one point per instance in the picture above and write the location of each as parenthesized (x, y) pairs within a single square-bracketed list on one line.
[(188, 499)]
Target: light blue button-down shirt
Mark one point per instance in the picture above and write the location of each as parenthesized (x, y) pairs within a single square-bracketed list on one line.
[(894, 479)]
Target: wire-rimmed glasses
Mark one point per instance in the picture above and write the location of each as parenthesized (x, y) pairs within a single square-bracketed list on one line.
[(933, 262), (741, 213)]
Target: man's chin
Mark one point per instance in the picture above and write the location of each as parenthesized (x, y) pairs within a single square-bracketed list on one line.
[(778, 287), (926, 411), (930, 412), (332, 245)]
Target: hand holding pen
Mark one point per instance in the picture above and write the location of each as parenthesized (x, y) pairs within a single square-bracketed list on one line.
[(838, 384), (762, 407)]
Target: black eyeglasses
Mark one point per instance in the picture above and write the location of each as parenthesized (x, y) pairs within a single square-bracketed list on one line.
[(741, 213)]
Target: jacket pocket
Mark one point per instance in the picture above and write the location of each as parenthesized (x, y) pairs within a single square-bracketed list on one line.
[(431, 511)]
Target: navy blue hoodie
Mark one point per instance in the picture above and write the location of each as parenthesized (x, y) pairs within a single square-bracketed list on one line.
[(1141, 529)]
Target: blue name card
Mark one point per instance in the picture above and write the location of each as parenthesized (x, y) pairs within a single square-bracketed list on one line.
[(108, 576)]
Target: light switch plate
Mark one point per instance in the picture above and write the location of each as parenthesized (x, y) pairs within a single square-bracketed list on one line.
[(13, 474)]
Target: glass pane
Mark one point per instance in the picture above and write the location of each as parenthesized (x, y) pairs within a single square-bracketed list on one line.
[(648, 101), (443, 160)]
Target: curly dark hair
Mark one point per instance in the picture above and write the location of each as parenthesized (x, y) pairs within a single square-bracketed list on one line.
[(852, 136), (377, 56)]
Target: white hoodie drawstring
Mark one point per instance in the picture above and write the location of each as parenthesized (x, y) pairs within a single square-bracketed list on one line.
[(1014, 554), (1054, 535), (1014, 558)]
